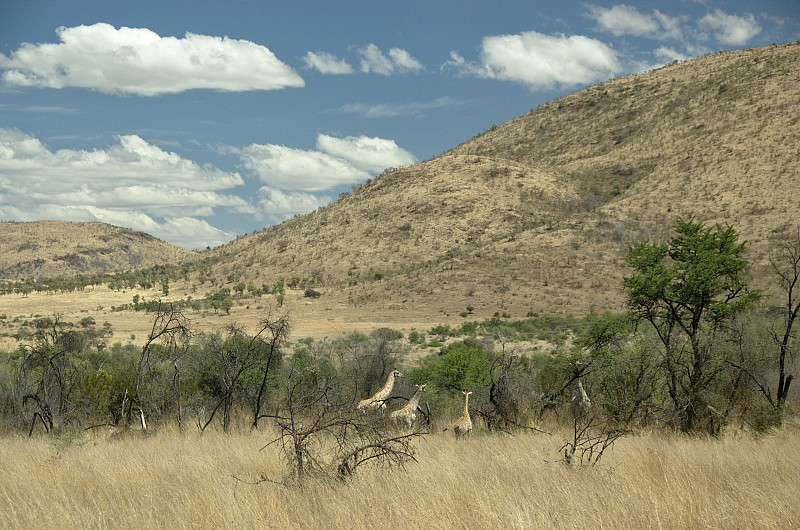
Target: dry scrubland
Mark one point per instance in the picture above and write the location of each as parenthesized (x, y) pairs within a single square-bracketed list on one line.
[(184, 480), (316, 319)]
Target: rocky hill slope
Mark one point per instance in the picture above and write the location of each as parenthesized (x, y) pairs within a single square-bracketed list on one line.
[(535, 215)]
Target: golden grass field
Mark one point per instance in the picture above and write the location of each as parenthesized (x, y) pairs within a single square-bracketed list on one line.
[(185, 480)]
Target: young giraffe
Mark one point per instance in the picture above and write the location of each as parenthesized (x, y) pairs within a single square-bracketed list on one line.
[(378, 401), (408, 414), (464, 424), (580, 402)]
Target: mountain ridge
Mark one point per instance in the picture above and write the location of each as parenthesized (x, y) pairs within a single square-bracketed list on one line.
[(535, 215), (63, 249)]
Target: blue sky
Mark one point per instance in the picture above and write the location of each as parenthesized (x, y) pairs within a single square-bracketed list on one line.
[(199, 121)]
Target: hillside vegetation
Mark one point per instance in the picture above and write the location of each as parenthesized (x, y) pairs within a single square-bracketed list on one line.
[(535, 215)]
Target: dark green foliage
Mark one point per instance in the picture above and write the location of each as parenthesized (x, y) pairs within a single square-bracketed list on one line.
[(686, 289)]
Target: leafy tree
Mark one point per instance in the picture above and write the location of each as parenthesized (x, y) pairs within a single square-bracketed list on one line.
[(463, 364), (687, 289)]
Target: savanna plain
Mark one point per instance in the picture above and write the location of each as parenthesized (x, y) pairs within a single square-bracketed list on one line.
[(186, 480)]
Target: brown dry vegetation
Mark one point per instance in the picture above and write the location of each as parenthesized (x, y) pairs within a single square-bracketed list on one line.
[(184, 480)]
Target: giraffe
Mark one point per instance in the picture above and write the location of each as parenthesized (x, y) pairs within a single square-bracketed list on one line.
[(464, 424), (378, 401), (580, 402), (408, 414)]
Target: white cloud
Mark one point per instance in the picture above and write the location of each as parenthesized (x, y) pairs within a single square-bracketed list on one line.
[(399, 61), (277, 205), (129, 184), (403, 61), (287, 168), (624, 20), (327, 63), (541, 61), (365, 153), (337, 162), (667, 54), (131, 163), (138, 61), (731, 29), (387, 110)]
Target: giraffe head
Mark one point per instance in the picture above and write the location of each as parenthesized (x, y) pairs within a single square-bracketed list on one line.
[(396, 373), (466, 392)]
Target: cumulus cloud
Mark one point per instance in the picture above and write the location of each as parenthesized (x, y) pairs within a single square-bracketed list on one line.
[(277, 205), (387, 110), (398, 62), (288, 168), (130, 184), (541, 61), (727, 29), (138, 61), (327, 63), (365, 153), (624, 20), (336, 162), (731, 29)]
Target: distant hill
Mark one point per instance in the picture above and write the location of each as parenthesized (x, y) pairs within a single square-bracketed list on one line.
[(535, 215), (531, 216), (59, 249)]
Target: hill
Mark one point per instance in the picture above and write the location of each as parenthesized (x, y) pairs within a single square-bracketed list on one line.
[(58, 249), (535, 215)]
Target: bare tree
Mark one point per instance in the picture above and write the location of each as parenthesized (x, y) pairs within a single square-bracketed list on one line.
[(787, 268), (592, 433), (275, 333), (171, 329), (768, 369), (48, 366), (235, 353), (320, 433)]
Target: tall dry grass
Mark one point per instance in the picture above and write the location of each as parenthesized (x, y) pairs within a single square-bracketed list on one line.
[(186, 480)]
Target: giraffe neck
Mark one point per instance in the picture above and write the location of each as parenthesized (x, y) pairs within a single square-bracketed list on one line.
[(384, 392), (584, 397), (466, 404), (414, 401)]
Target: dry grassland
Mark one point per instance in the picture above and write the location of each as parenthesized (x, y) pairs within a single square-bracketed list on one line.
[(185, 480), (316, 319)]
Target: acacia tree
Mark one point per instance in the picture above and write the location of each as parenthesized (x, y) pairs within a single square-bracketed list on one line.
[(687, 289)]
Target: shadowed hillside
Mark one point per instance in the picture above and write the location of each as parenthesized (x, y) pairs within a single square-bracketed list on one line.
[(536, 214), (58, 249)]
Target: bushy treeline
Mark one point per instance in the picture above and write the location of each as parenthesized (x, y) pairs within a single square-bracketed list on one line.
[(65, 376), (697, 350)]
